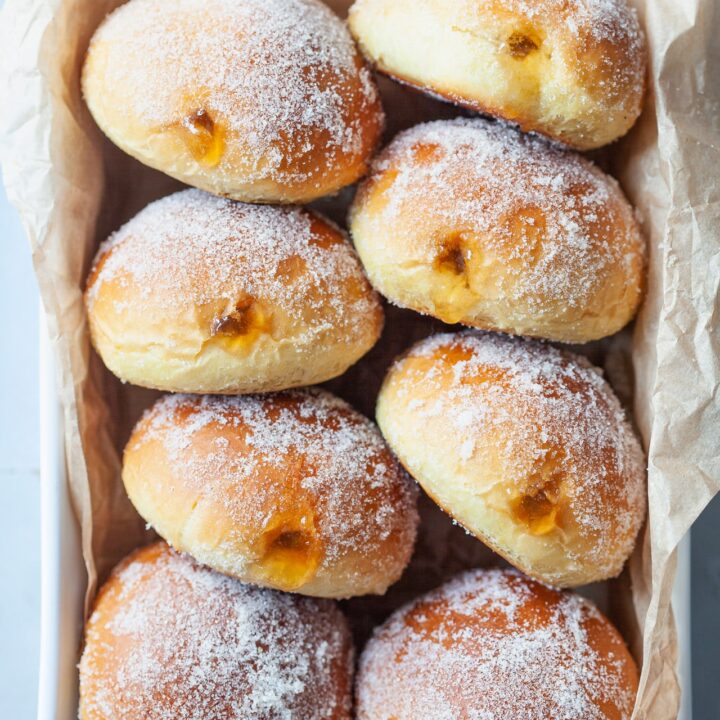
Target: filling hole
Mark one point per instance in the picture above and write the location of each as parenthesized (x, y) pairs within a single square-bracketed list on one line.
[(203, 137), (538, 509), (291, 540), (452, 256), (290, 552), (521, 45), (199, 123), (239, 322)]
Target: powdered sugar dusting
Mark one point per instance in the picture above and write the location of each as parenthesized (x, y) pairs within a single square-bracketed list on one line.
[(356, 490), (275, 73), (603, 20), (562, 227), (491, 645), (607, 32), (597, 24), (191, 250), (539, 407), (172, 640)]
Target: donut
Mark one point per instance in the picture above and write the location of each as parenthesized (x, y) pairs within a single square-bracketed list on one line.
[(170, 639), (470, 221), (257, 100), (525, 446), (493, 645), (294, 491), (573, 70), (206, 295)]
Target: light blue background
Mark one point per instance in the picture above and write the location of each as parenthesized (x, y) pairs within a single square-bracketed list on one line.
[(19, 473)]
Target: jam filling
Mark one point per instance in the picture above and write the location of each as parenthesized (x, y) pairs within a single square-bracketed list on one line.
[(521, 45), (204, 137), (452, 257), (290, 551)]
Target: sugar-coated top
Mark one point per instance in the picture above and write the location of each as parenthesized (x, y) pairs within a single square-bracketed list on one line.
[(304, 450), (562, 227), (172, 640), (613, 21), (607, 30), (589, 25), (191, 249), (492, 645), (540, 412), (277, 74), (606, 19)]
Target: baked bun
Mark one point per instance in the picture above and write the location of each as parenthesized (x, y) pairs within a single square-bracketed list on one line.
[(295, 491), (258, 100), (170, 639), (573, 70), (525, 446), (472, 222), (492, 644), (200, 294)]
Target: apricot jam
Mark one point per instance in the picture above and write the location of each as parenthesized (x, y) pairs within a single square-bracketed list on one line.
[(290, 551), (521, 44), (452, 296), (452, 255), (539, 510), (205, 139), (240, 327)]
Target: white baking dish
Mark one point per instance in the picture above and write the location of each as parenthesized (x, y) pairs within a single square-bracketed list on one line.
[(63, 578), (63, 574)]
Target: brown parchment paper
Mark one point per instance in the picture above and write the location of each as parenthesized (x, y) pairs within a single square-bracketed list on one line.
[(72, 188)]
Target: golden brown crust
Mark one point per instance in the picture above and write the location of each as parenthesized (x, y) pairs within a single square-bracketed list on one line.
[(472, 222), (525, 124), (573, 71), (259, 101), (494, 644), (294, 490), (200, 294), (169, 638), (524, 446)]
